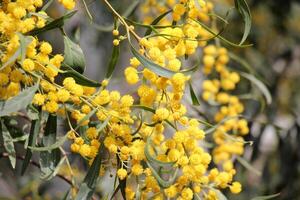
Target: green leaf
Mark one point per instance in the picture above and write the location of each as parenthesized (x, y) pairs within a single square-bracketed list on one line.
[(74, 56), (194, 98), (59, 142), (220, 195), (49, 159), (57, 23), (32, 112), (163, 183), (248, 166), (157, 69), (79, 78), (34, 131), (14, 104), (220, 37), (100, 127), (21, 51), (24, 41), (8, 144), (156, 21), (87, 117), (260, 85), (47, 5), (153, 111), (266, 197), (243, 9), (113, 61), (88, 185), (153, 160)]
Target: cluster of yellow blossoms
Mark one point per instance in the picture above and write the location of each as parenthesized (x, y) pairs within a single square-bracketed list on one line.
[(162, 135)]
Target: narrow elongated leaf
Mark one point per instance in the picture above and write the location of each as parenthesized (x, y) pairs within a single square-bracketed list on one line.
[(14, 105), (219, 194), (59, 142), (266, 197), (88, 185), (24, 41), (57, 23), (194, 98), (49, 159), (87, 117), (157, 69), (163, 183), (243, 9), (100, 127), (217, 35), (79, 78), (47, 5), (156, 21), (74, 56), (8, 144), (260, 85), (153, 160), (248, 166), (34, 131), (113, 61)]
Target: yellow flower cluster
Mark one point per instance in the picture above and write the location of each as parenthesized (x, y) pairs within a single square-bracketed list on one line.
[(217, 90), (162, 134), (15, 19)]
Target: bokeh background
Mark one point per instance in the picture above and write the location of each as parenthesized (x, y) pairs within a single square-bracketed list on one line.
[(275, 128)]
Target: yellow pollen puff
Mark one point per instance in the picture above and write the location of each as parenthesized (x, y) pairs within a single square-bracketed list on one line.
[(137, 169), (51, 106), (63, 95), (236, 187), (85, 150), (28, 65), (179, 9), (46, 48), (187, 194), (38, 99), (134, 62), (68, 4), (122, 173), (162, 114), (116, 42), (131, 75), (115, 32), (92, 133)]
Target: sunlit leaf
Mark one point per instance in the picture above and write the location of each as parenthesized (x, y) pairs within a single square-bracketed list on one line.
[(13, 104), (59, 142)]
